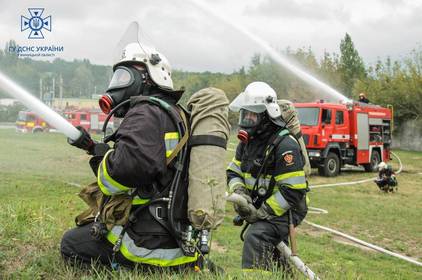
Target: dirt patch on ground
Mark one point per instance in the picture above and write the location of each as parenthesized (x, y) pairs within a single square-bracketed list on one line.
[(314, 232), (218, 247), (17, 263)]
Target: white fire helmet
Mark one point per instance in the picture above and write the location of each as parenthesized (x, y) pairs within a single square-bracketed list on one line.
[(381, 166), (258, 97), (156, 63)]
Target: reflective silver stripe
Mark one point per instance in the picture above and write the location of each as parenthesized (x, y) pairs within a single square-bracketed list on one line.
[(110, 188), (281, 201), (162, 254), (293, 180), (250, 182), (235, 168), (171, 144), (236, 181)]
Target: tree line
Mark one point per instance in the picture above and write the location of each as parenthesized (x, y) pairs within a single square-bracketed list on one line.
[(398, 83)]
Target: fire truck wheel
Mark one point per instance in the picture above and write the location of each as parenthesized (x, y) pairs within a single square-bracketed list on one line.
[(375, 160), (37, 130), (331, 166)]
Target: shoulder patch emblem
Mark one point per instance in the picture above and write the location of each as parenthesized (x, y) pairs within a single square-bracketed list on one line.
[(289, 159)]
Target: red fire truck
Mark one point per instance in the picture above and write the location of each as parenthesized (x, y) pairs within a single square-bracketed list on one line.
[(339, 134), (90, 119), (29, 122)]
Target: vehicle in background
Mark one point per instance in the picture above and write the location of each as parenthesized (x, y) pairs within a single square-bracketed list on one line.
[(91, 120), (29, 122), (339, 134)]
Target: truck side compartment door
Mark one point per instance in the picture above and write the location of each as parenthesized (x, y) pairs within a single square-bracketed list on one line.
[(363, 138)]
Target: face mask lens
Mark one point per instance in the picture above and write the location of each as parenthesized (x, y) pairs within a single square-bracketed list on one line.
[(248, 119), (122, 77)]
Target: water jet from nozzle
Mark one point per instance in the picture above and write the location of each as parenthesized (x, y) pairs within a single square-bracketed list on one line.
[(277, 57), (51, 117)]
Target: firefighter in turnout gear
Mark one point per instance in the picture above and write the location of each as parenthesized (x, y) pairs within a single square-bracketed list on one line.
[(267, 170), (386, 180), (139, 168)]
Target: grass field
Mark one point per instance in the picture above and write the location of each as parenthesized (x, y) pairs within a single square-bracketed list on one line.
[(38, 203)]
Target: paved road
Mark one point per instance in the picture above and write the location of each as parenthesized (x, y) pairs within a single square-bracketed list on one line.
[(5, 126)]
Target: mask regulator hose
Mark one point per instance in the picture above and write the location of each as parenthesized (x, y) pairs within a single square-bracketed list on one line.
[(110, 115)]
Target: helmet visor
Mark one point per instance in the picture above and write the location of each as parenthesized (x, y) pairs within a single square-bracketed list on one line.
[(248, 119), (243, 102), (122, 78)]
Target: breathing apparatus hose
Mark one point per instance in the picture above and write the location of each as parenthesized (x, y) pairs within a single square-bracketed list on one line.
[(104, 129), (176, 181)]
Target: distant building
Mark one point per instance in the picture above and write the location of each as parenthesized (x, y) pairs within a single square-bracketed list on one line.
[(62, 104), (8, 101)]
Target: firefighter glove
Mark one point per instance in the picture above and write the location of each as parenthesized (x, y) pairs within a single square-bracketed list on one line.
[(84, 141), (245, 208)]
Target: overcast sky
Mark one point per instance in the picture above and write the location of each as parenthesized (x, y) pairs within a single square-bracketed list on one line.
[(196, 41)]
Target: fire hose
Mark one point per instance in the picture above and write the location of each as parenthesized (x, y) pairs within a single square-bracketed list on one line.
[(314, 210), (282, 247), (300, 265), (33, 103)]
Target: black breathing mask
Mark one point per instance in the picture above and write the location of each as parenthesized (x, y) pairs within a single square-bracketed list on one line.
[(125, 83), (250, 124)]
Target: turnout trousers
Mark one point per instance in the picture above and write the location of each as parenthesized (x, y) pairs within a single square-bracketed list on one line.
[(259, 251), (78, 247)]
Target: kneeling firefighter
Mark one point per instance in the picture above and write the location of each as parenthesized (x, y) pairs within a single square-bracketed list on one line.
[(386, 180), (268, 173), (138, 207)]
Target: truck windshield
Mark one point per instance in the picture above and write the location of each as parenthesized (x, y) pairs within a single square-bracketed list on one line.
[(25, 117), (308, 116)]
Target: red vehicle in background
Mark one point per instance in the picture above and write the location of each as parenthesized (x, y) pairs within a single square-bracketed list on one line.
[(339, 134), (29, 122), (90, 119)]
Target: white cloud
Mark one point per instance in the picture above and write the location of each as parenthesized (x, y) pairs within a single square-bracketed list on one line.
[(193, 40)]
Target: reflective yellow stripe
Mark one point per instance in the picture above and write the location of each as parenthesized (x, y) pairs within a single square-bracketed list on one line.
[(157, 257), (294, 180), (234, 166), (139, 201), (107, 184), (278, 203), (171, 135), (250, 180), (171, 139), (237, 162)]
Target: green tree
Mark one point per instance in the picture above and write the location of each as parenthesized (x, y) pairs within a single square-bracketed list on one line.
[(351, 65)]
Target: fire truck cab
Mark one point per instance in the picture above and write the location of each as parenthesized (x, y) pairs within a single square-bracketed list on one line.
[(339, 134), (29, 122)]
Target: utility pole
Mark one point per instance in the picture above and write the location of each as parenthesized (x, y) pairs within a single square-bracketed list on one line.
[(61, 91), (53, 92), (41, 89)]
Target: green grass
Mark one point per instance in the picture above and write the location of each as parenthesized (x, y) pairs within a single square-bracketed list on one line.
[(37, 205)]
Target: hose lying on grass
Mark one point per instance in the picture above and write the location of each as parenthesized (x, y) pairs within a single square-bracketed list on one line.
[(356, 182), (314, 210)]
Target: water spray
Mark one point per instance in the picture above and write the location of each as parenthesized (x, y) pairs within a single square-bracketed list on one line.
[(42, 110), (279, 58)]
